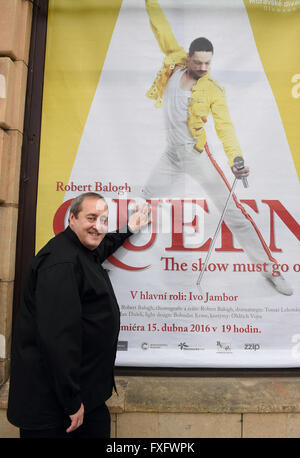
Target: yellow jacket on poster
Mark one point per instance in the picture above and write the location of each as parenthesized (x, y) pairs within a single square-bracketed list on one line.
[(207, 96)]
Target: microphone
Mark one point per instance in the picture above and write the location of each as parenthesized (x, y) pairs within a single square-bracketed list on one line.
[(239, 164)]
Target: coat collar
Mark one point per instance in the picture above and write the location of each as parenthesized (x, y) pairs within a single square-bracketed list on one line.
[(202, 79)]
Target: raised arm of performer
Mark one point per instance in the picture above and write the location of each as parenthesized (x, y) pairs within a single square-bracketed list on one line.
[(176, 56), (161, 29)]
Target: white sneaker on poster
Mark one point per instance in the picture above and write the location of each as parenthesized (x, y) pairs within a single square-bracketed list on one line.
[(281, 285)]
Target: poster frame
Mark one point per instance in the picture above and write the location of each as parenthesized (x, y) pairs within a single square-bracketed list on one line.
[(26, 231)]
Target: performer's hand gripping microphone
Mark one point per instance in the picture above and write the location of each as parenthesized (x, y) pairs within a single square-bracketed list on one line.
[(239, 164)]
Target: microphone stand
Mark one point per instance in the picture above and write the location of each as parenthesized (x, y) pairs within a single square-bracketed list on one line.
[(212, 244), (239, 164)]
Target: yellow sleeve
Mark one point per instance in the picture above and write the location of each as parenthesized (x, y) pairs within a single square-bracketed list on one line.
[(161, 28), (224, 127)]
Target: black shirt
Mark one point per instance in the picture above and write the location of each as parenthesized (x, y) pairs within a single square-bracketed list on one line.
[(65, 337)]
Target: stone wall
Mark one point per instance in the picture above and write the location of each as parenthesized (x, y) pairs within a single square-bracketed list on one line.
[(194, 407), (15, 29)]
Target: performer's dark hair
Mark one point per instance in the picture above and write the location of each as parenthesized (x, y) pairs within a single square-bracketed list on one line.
[(76, 203), (200, 44)]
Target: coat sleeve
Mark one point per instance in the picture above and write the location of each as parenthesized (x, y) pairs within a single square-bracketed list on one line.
[(161, 28), (111, 242), (58, 318)]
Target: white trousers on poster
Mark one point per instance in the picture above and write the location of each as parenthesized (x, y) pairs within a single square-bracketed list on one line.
[(180, 162)]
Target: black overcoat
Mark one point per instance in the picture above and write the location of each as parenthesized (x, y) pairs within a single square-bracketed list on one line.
[(65, 336)]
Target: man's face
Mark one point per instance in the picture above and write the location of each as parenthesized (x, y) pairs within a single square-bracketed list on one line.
[(90, 226), (199, 63)]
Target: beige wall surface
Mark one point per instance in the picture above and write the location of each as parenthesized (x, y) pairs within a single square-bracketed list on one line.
[(155, 407), (15, 29)]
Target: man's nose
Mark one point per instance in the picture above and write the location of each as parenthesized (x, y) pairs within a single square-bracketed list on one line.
[(94, 225)]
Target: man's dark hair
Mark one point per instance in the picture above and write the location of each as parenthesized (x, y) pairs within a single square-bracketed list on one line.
[(200, 44), (76, 203)]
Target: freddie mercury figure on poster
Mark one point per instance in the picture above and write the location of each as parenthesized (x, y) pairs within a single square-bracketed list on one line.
[(188, 94)]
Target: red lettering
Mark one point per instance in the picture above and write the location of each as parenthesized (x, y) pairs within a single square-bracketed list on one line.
[(178, 224), (177, 242), (59, 217), (227, 242), (285, 216)]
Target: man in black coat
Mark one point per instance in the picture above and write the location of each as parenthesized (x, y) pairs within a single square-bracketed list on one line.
[(66, 333)]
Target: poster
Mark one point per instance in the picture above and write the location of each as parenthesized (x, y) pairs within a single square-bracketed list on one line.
[(101, 133)]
